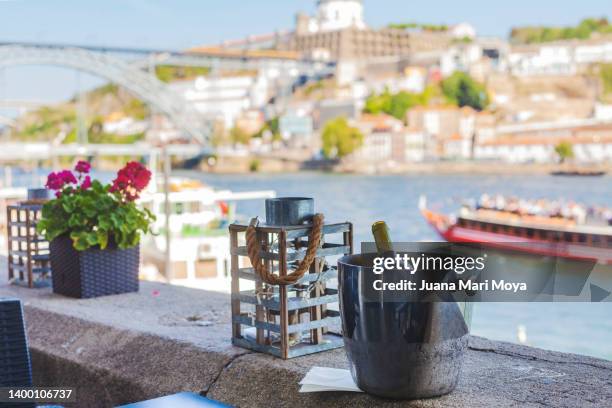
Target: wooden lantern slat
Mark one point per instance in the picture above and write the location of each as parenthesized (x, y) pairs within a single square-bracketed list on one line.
[(28, 251)]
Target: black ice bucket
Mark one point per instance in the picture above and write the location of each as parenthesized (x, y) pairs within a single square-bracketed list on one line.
[(398, 349)]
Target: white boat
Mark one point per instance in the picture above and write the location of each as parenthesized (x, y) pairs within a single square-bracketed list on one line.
[(199, 240)]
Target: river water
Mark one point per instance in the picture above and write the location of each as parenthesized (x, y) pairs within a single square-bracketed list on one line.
[(583, 328)]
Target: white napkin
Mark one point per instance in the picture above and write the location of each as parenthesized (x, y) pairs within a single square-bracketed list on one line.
[(320, 379)]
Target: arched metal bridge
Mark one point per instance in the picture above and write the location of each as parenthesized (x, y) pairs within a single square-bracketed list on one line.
[(104, 62), (142, 84)]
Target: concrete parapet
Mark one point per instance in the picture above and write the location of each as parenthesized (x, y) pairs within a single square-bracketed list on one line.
[(166, 339)]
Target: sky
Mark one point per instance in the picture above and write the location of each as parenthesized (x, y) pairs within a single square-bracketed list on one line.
[(179, 24)]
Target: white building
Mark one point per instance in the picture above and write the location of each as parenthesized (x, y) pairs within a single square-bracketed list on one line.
[(591, 143), (378, 131), (460, 57), (333, 15), (125, 126), (463, 30), (415, 146), (558, 58), (387, 142), (297, 128), (515, 151), (225, 97), (603, 112), (377, 147), (412, 79), (542, 60)]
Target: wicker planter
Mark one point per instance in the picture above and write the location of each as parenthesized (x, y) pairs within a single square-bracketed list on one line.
[(93, 272)]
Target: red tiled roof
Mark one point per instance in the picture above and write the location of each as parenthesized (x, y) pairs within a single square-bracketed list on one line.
[(220, 51)]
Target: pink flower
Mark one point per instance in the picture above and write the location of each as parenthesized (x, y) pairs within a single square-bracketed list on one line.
[(57, 181), (54, 182), (67, 177), (82, 167), (86, 184)]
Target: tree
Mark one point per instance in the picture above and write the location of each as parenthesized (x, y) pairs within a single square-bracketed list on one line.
[(273, 127), (218, 136), (424, 27), (463, 90), (401, 102), (605, 73), (239, 136), (539, 34), (396, 104), (378, 103), (340, 139), (564, 150)]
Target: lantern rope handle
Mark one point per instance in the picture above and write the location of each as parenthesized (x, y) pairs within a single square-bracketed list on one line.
[(254, 248)]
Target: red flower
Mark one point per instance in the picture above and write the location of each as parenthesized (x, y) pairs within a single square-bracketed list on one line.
[(82, 167), (141, 181), (138, 174), (120, 183), (131, 195), (131, 180), (86, 184)]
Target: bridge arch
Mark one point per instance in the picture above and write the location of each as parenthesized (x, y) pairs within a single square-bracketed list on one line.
[(143, 85)]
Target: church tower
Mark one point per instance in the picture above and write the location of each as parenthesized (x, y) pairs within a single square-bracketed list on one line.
[(335, 15)]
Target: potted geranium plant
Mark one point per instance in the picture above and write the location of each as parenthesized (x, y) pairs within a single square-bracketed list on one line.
[(94, 230)]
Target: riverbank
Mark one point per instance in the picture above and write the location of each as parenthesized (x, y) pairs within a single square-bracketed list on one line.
[(254, 164), (457, 167)]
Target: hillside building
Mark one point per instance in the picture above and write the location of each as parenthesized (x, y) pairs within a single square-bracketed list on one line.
[(225, 98), (591, 142), (338, 31), (559, 57)]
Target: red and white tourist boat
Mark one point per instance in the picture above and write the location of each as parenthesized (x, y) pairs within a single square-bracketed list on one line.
[(535, 234)]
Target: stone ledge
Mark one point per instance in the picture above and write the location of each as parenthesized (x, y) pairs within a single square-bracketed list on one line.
[(494, 374), (115, 366), (167, 339)]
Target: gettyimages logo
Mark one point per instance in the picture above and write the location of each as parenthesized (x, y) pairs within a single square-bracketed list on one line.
[(443, 272), (428, 263)]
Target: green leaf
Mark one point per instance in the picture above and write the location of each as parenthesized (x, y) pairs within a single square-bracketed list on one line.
[(102, 238), (67, 206), (91, 238), (104, 222), (79, 241)]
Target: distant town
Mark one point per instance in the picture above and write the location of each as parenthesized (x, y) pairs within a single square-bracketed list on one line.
[(389, 99)]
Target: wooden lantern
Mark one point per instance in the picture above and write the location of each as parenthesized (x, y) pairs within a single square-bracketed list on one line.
[(287, 320), (28, 251)]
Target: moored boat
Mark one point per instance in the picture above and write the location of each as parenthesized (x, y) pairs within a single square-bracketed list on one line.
[(579, 173), (198, 220), (563, 237)]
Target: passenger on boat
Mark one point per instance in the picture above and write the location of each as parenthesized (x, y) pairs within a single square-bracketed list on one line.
[(569, 210)]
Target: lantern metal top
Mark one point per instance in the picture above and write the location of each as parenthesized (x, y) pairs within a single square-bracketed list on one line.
[(38, 194), (289, 211)]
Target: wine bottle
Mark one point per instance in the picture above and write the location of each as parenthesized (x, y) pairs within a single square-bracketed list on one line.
[(380, 230)]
